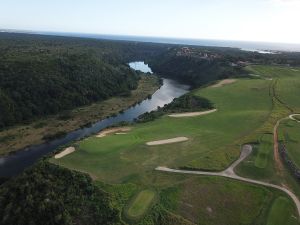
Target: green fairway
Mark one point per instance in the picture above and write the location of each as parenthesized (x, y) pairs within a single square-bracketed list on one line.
[(141, 203), (264, 150), (279, 213), (214, 139)]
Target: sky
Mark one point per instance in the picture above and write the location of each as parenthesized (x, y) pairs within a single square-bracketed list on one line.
[(247, 20)]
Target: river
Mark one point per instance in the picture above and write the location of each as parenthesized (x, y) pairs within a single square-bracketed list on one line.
[(14, 164)]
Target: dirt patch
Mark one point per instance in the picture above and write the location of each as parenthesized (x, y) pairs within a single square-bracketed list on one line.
[(191, 114), (118, 130), (65, 152), (167, 141), (223, 82)]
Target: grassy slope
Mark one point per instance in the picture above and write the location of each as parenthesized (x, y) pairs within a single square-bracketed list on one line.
[(214, 139), (18, 137)]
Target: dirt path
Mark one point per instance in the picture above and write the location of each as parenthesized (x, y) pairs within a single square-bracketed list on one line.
[(190, 114), (229, 173)]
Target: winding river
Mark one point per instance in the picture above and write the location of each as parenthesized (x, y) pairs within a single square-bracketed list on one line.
[(17, 162)]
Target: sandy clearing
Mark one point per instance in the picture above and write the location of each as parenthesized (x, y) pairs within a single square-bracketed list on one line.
[(121, 133), (190, 114), (105, 132), (223, 82), (65, 152), (167, 141)]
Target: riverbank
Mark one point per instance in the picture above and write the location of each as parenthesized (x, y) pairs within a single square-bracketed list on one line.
[(19, 137)]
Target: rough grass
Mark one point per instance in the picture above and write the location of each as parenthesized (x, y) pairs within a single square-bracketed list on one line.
[(279, 213), (141, 203), (214, 139)]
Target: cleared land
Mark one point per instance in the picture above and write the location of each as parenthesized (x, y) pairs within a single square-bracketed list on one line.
[(19, 137), (167, 141), (140, 204), (190, 114), (65, 152)]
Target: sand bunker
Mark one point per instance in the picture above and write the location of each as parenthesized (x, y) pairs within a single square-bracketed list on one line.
[(190, 114), (223, 82), (167, 141), (295, 70), (113, 130), (65, 152)]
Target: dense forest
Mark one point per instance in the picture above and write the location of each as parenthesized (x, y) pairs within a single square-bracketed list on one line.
[(42, 75), (49, 194)]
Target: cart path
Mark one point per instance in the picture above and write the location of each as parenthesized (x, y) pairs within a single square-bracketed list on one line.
[(229, 173)]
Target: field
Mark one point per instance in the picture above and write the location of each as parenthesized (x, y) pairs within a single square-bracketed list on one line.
[(19, 137), (246, 112)]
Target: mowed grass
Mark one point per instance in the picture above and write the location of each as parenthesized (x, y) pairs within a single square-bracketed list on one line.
[(279, 213), (290, 131), (214, 139), (265, 149), (140, 204)]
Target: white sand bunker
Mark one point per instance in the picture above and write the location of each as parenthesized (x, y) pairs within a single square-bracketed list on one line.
[(65, 152), (116, 130), (223, 82), (191, 114), (167, 141)]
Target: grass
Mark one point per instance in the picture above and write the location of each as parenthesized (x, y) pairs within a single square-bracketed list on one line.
[(247, 111), (18, 137), (279, 213), (265, 149), (214, 139), (290, 131), (140, 204)]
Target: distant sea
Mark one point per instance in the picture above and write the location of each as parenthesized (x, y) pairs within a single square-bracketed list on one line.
[(262, 47)]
